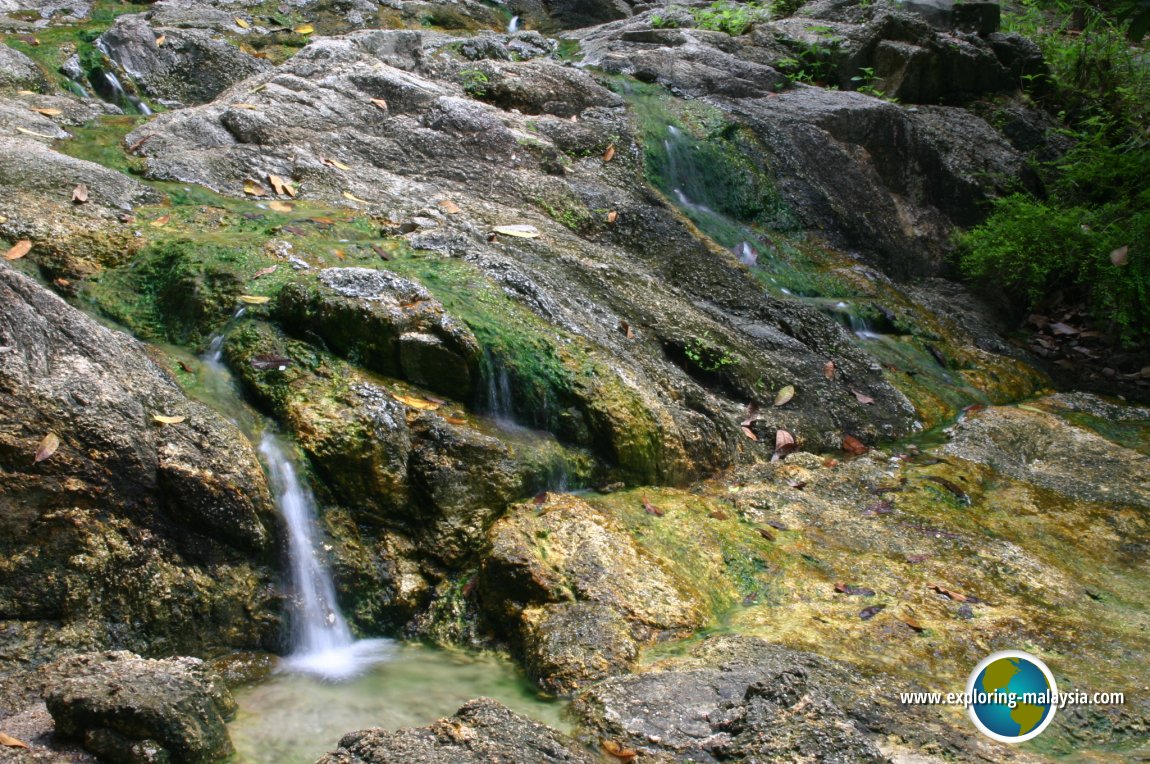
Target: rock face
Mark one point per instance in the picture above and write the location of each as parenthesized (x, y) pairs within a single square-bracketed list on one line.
[(17, 71), (481, 731), (184, 507), (130, 710)]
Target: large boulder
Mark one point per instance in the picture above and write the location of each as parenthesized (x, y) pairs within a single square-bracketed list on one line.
[(131, 710), (18, 72), (481, 731)]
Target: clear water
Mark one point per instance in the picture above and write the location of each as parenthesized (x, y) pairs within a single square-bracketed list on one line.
[(296, 718)]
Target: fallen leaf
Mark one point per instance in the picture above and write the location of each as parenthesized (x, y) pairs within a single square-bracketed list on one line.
[(11, 742), (161, 221), (518, 231), (449, 207), (911, 622), (336, 164), (33, 132), (167, 419), (750, 433), (383, 253), (948, 593), (785, 395), (752, 414), (455, 420), (609, 154), (1062, 329), (187, 369), (830, 462), (46, 448), (49, 112), (784, 440), (863, 399), (540, 499), (280, 186), (651, 509), (253, 188), (854, 446), (26, 92), (138, 144), (829, 369), (870, 612), (80, 194), (160, 41), (612, 216), (252, 299), (626, 329), (854, 591), (766, 534), (915, 559), (422, 404), (279, 206), (379, 103), (241, 23), (881, 507), (33, 41), (20, 249), (265, 271), (244, 105), (1120, 256), (353, 198), (717, 514), (304, 29), (777, 525), (270, 362), (620, 752), (798, 485)]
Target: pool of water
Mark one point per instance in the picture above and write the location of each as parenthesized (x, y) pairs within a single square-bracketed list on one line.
[(295, 718)]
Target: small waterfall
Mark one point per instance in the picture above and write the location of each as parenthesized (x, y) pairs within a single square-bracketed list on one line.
[(497, 395), (513, 25), (121, 97)]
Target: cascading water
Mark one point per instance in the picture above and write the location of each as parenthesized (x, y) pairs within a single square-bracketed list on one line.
[(107, 85), (513, 25)]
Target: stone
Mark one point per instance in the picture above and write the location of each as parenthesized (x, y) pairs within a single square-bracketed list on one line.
[(132, 710), (569, 645), (18, 72)]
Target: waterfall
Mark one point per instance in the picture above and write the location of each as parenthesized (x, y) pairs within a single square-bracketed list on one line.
[(513, 25)]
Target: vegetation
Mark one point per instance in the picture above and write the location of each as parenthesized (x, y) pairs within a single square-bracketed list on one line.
[(730, 17), (1088, 238)]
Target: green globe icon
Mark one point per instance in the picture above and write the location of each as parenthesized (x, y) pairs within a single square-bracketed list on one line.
[(1012, 696)]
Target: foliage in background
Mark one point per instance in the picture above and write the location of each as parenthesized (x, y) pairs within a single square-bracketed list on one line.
[(1098, 200)]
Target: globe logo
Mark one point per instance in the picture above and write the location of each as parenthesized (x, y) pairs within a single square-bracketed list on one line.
[(1012, 696)]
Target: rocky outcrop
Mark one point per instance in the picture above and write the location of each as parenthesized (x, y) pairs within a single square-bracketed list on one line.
[(18, 72), (130, 710), (94, 486), (481, 731)]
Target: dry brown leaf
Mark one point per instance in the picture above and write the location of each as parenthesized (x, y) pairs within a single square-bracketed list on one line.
[(252, 299), (651, 509), (277, 184), (829, 369), (162, 221), (379, 103), (160, 41), (863, 399), (80, 194), (265, 271), (11, 742), (336, 164), (853, 445), (304, 29), (450, 207), (784, 440), (612, 216), (785, 395), (140, 143), (253, 188), (279, 206), (241, 23), (167, 419), (455, 420), (609, 154), (422, 404), (46, 448), (953, 595), (750, 433), (353, 198), (914, 624), (1120, 256), (618, 750), (20, 249), (49, 112)]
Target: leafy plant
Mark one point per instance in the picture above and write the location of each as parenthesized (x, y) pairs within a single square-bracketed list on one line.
[(864, 82), (726, 16), (474, 82), (664, 22), (707, 356)]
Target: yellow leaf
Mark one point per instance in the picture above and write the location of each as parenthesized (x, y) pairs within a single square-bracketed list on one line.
[(46, 448), (518, 231), (162, 221), (49, 112), (26, 92), (244, 105), (22, 248), (279, 206), (11, 742), (455, 420), (253, 188), (304, 29), (252, 299), (450, 207), (167, 419), (242, 24), (160, 41), (785, 395), (609, 154), (416, 403), (337, 164), (33, 132), (353, 198)]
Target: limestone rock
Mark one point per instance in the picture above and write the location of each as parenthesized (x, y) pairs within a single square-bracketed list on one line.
[(131, 710)]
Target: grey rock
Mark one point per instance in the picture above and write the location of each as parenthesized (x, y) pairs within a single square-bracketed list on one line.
[(570, 645), (131, 710), (481, 731), (18, 72)]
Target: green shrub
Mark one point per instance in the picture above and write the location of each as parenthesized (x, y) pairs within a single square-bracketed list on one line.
[(730, 17)]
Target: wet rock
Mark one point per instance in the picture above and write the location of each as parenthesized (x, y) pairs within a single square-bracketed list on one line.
[(18, 72), (184, 507), (569, 645), (542, 88), (481, 731), (390, 324), (192, 66), (27, 165), (131, 710)]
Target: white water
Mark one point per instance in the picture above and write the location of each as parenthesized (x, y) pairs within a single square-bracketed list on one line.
[(322, 644), (513, 25)]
